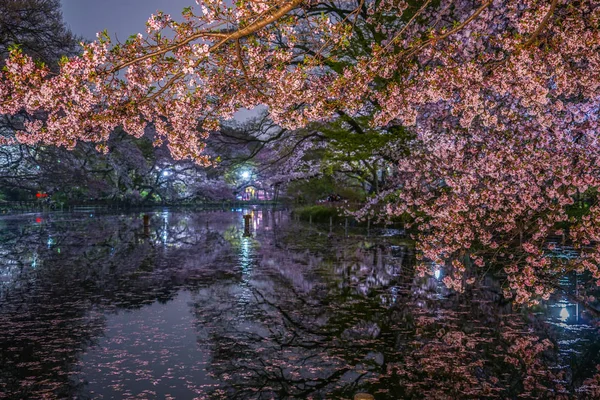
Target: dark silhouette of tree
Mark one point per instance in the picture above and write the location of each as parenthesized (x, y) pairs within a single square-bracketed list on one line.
[(37, 27)]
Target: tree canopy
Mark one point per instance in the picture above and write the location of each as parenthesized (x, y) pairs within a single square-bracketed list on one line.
[(501, 99)]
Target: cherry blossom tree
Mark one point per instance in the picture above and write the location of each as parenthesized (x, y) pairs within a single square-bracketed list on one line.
[(37, 27), (501, 96)]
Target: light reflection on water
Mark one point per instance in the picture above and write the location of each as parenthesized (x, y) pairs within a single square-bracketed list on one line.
[(194, 308), (564, 314)]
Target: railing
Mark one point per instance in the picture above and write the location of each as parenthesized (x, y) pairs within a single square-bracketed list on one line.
[(17, 207), (21, 206)]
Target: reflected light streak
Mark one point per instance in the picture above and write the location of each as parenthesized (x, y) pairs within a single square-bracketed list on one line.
[(165, 228), (564, 314), (245, 260)]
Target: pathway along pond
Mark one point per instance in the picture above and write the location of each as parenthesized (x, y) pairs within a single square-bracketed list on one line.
[(91, 306)]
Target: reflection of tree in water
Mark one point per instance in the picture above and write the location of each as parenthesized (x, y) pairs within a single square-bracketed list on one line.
[(41, 338), (59, 278), (375, 327), (280, 317)]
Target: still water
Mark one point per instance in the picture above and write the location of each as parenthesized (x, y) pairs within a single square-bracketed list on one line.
[(95, 306)]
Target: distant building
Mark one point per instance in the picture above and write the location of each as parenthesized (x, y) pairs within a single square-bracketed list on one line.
[(253, 193)]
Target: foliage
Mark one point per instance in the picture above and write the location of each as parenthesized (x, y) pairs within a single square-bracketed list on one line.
[(311, 191), (319, 213)]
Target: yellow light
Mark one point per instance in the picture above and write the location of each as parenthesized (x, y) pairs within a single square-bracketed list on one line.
[(564, 315)]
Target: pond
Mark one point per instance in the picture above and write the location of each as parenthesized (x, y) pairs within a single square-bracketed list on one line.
[(98, 306)]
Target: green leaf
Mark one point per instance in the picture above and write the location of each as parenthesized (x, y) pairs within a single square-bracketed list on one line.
[(15, 47)]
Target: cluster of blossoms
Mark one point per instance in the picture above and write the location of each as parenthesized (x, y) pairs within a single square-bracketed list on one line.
[(447, 361), (502, 97), (506, 139)]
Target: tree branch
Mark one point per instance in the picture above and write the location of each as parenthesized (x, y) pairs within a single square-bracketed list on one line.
[(543, 24), (238, 34)]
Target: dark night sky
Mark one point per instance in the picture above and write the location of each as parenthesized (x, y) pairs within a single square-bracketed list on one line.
[(120, 17)]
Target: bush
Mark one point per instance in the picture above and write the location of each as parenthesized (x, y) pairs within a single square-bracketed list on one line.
[(319, 213)]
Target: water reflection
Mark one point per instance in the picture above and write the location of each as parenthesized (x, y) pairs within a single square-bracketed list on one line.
[(96, 307)]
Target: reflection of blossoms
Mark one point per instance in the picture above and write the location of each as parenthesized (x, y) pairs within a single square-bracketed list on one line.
[(591, 386), (277, 315), (452, 362)]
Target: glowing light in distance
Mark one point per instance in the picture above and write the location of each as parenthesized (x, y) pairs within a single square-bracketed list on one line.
[(564, 314)]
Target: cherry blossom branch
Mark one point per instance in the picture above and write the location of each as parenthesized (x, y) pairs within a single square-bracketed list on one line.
[(252, 28), (238, 34), (423, 7), (543, 24), (458, 28), (238, 48), (166, 50), (163, 89)]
